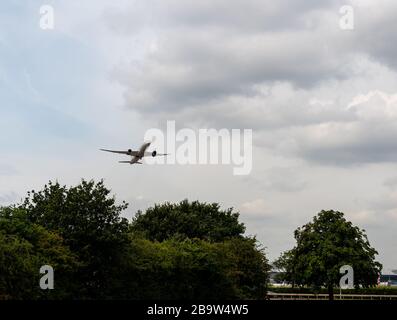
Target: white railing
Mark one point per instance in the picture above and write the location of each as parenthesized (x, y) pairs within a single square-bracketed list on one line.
[(337, 296)]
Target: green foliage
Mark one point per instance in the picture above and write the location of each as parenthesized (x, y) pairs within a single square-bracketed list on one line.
[(323, 246), (188, 220), (195, 269), (89, 222), (181, 251), (84, 214), (24, 248), (250, 267), (16, 267), (198, 251)]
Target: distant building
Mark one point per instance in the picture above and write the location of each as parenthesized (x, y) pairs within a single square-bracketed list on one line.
[(389, 280), (274, 279)]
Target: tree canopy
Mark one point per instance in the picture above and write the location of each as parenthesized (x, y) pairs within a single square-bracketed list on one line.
[(24, 248), (188, 220), (89, 221), (207, 249), (171, 251), (322, 247)]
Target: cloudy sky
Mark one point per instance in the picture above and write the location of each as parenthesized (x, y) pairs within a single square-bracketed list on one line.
[(321, 101)]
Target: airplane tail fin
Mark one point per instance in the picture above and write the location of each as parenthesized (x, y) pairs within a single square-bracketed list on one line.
[(130, 162)]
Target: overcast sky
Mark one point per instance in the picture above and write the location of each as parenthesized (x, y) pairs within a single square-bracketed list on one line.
[(321, 101)]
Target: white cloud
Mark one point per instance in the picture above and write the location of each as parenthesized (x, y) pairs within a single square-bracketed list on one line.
[(256, 208), (361, 218)]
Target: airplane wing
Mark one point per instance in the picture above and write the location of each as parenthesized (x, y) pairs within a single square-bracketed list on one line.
[(128, 152)]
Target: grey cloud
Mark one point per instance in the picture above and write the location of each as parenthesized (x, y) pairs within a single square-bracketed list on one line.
[(374, 30), (279, 179), (371, 151), (206, 68), (370, 138), (260, 65), (391, 182), (211, 50), (197, 63), (241, 15)]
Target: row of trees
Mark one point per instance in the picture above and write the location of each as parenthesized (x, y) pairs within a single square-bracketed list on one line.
[(171, 251)]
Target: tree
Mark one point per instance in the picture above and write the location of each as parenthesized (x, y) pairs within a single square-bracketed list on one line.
[(24, 248), (89, 221), (322, 247), (196, 250), (250, 271), (188, 220)]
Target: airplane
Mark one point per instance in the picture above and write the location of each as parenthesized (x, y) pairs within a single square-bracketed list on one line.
[(137, 155)]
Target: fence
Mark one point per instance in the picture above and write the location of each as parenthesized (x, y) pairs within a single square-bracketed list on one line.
[(337, 296)]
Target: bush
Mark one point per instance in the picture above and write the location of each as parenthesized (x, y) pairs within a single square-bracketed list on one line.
[(194, 269)]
